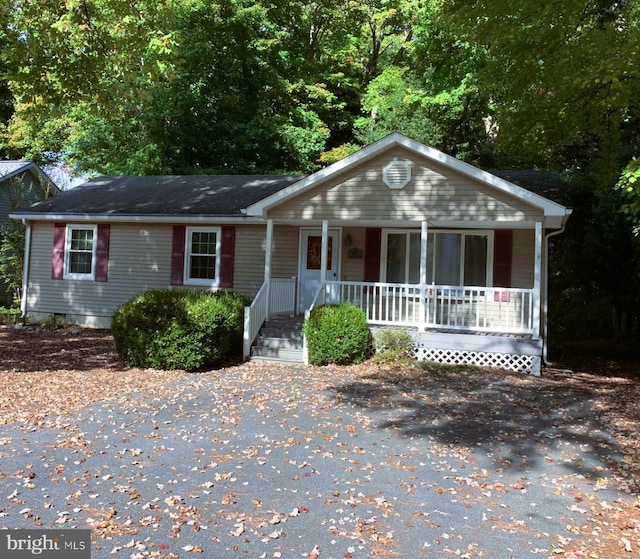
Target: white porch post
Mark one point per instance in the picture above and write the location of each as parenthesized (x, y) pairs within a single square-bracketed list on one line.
[(325, 251), (267, 261), (537, 281), (423, 275)]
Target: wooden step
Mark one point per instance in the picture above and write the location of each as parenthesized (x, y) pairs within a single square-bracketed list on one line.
[(280, 339)]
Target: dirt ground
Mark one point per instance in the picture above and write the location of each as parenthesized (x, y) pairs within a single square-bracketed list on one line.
[(49, 373)]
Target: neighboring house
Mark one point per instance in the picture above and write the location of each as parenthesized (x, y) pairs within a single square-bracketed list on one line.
[(22, 183), (414, 237)]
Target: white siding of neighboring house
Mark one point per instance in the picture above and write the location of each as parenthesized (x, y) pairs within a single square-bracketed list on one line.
[(435, 194)]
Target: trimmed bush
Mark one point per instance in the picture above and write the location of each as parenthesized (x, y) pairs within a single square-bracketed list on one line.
[(337, 334), (169, 329)]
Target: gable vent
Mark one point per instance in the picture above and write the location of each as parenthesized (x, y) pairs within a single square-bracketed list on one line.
[(396, 174)]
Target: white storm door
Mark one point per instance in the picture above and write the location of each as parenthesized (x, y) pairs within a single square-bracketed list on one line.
[(310, 258)]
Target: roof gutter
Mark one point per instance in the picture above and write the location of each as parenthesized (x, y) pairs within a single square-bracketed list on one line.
[(25, 269), (545, 325), (124, 218)]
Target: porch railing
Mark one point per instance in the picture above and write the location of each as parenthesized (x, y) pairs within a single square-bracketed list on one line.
[(489, 309), (254, 315), (276, 296), (282, 295), (482, 309)]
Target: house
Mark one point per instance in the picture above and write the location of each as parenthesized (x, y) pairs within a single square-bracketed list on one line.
[(413, 236), (22, 183)]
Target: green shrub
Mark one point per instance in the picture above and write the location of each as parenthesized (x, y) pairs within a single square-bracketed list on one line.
[(9, 315), (394, 346), (337, 334), (53, 322), (168, 329)]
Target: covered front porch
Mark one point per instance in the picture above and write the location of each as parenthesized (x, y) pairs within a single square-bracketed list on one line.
[(472, 324)]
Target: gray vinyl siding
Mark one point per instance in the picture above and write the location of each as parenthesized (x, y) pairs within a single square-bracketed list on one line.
[(248, 272), (286, 242), (353, 264), (522, 264), (435, 193), (248, 263), (139, 259)]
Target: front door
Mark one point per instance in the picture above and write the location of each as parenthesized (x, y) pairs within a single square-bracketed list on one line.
[(310, 258)]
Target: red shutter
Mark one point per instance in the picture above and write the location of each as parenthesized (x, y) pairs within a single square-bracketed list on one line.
[(57, 263), (227, 251), (372, 246), (177, 254), (502, 258), (102, 252)]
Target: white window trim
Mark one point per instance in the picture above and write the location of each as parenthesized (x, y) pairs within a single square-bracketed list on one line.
[(67, 252), (188, 280), (463, 232)]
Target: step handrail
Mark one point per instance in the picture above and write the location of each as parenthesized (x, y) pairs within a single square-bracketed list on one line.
[(254, 316)]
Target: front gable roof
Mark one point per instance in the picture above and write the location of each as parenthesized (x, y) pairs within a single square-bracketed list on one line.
[(251, 198), (554, 214)]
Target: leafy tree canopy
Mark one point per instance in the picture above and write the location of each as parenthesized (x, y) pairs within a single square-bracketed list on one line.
[(564, 77)]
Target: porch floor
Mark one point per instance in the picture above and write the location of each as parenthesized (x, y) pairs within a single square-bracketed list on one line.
[(280, 339), (452, 331)]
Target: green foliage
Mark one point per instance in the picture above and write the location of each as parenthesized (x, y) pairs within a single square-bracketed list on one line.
[(9, 315), (235, 86), (394, 347), (169, 329), (54, 322), (430, 92), (12, 239), (240, 86), (336, 154), (629, 185), (564, 78), (580, 314), (337, 334)]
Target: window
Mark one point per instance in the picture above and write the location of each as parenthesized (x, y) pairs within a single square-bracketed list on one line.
[(80, 251), (202, 256), (403, 257), (453, 257)]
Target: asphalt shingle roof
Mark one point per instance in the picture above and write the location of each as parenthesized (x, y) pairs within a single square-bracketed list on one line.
[(544, 183), (215, 195), (207, 195)]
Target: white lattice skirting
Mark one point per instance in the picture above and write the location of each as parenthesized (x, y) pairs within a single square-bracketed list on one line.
[(529, 364)]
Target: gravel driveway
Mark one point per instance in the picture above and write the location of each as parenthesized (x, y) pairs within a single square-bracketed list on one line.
[(271, 461)]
